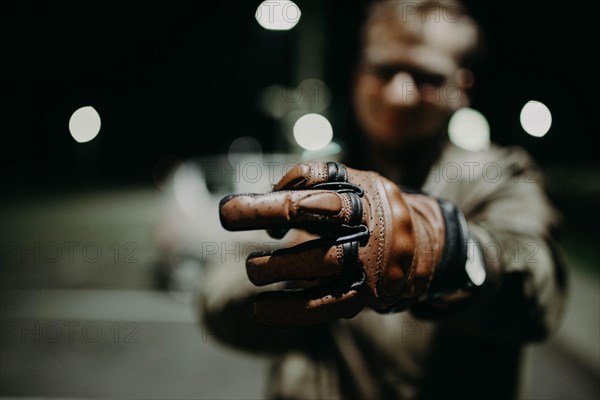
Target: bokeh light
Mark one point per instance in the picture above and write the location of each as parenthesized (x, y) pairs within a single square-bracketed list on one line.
[(278, 15), (315, 95), (84, 124), (191, 193), (469, 130), (313, 131), (164, 169), (536, 118), (244, 147)]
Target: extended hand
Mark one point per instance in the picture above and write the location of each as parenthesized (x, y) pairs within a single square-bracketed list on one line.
[(378, 247)]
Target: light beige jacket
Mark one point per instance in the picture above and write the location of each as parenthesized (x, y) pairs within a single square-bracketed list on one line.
[(473, 351)]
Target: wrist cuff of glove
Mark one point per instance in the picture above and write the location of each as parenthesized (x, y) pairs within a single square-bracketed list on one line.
[(453, 272), (451, 275)]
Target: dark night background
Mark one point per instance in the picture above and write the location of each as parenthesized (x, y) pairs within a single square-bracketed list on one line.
[(184, 81)]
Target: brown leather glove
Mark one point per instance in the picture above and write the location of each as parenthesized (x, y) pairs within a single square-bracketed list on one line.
[(378, 247)]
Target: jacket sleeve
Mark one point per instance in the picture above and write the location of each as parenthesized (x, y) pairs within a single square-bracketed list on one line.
[(511, 226)]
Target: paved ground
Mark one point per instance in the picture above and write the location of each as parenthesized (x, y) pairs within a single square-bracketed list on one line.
[(80, 315)]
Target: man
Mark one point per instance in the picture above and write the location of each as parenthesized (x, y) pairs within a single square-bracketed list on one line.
[(405, 293)]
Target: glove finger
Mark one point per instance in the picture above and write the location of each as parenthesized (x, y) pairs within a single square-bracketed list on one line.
[(302, 262), (306, 175), (305, 209), (301, 307)]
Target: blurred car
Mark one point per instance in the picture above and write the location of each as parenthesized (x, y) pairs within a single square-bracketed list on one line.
[(190, 235)]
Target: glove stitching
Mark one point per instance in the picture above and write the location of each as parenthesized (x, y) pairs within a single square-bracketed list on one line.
[(340, 257), (309, 174), (381, 243), (408, 281), (323, 172), (346, 207)]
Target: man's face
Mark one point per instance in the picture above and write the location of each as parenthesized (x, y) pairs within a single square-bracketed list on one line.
[(407, 86)]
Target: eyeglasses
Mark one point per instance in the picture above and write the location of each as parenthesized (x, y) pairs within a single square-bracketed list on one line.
[(420, 77)]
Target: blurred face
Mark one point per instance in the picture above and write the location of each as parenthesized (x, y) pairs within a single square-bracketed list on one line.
[(409, 82)]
